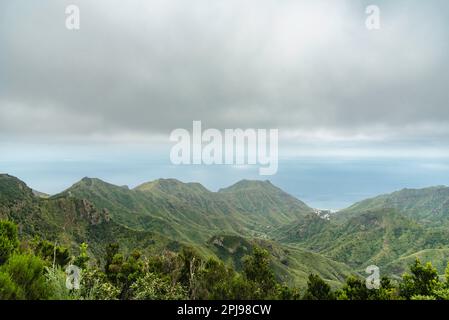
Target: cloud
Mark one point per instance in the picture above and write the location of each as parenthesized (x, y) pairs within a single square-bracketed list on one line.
[(144, 68)]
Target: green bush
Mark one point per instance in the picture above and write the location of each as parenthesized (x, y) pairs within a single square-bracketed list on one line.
[(8, 289), (9, 240), (27, 273), (421, 281), (95, 286), (154, 287), (318, 289)]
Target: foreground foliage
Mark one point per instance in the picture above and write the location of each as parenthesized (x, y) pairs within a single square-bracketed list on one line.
[(36, 270)]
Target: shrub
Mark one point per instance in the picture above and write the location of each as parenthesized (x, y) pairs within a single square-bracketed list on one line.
[(27, 273), (8, 240), (154, 287), (8, 289)]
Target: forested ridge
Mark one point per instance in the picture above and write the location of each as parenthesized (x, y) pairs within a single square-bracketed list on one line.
[(171, 240)]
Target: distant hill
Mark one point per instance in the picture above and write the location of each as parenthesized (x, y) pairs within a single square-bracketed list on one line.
[(13, 190), (190, 212), (377, 237), (438, 257), (264, 202), (167, 214), (292, 265), (428, 206), (70, 221)]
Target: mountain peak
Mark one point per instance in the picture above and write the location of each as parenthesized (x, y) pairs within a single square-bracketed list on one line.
[(249, 185), (88, 180), (86, 184), (169, 185), (12, 188)]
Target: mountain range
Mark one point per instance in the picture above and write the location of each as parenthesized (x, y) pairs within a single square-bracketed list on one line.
[(166, 214)]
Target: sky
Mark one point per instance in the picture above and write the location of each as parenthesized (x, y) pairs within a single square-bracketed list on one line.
[(359, 111)]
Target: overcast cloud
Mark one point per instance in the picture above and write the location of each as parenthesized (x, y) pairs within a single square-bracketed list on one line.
[(139, 69)]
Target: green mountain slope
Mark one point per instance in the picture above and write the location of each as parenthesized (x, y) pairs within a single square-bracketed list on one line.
[(428, 206), (69, 221), (12, 190), (188, 211), (438, 257), (265, 202), (292, 265), (372, 237), (166, 214), (389, 231)]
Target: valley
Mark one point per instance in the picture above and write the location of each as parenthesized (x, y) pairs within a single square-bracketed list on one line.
[(389, 231)]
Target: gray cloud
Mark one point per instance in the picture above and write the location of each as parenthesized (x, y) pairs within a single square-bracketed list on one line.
[(147, 67)]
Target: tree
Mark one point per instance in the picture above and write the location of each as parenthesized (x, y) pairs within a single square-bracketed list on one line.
[(168, 263), (440, 290), (421, 281), (123, 271), (111, 250), (192, 266), (154, 287), (243, 289), (287, 293), (318, 289), (387, 290), (215, 281), (52, 253), (82, 259), (8, 289), (354, 289), (9, 240), (257, 269), (95, 286), (27, 274)]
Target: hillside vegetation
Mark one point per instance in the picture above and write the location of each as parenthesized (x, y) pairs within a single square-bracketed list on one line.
[(167, 215)]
